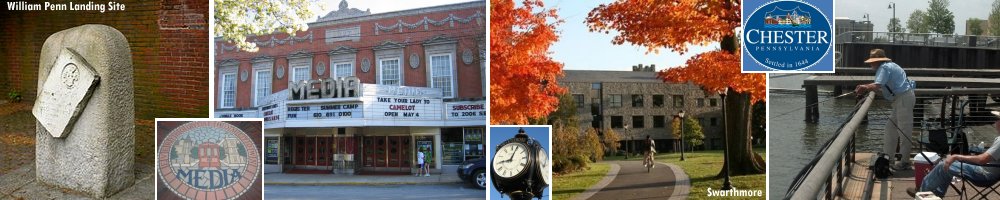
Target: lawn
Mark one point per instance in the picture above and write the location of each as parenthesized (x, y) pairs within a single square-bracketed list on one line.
[(568, 185), (702, 166)]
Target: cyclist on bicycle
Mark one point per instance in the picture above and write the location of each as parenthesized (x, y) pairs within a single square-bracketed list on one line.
[(649, 152)]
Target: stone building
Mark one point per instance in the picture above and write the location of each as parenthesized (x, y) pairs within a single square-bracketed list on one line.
[(637, 103), (361, 91)]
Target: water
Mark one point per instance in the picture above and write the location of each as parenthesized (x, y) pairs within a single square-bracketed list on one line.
[(796, 142)]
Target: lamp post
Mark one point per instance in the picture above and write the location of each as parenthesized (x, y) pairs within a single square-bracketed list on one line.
[(726, 185), (680, 115), (892, 5), (627, 149)]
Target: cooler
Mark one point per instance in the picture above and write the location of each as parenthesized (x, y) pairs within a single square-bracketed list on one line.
[(922, 166)]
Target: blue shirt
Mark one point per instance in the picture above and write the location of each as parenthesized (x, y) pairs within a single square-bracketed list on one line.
[(892, 80)]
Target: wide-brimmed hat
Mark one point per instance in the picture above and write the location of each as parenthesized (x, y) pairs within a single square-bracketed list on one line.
[(877, 55)]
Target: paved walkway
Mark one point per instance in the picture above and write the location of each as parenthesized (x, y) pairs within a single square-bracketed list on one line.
[(629, 180), (21, 184)]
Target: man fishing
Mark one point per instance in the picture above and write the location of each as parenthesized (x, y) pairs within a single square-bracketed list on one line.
[(891, 80)]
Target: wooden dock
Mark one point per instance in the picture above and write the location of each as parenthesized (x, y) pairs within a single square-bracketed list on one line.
[(812, 97), (940, 72), (856, 184), (892, 188), (922, 81)]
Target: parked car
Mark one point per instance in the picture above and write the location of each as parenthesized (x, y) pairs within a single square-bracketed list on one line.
[(474, 172)]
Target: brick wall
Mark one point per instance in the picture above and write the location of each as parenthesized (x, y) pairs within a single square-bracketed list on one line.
[(168, 39), (467, 35)]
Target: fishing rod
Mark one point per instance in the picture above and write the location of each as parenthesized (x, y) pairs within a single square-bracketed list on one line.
[(813, 104)]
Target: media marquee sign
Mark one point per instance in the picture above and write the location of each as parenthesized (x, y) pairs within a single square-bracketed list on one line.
[(347, 98), (787, 36)]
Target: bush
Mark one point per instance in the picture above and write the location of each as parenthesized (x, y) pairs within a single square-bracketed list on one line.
[(571, 164), (560, 165), (580, 162)]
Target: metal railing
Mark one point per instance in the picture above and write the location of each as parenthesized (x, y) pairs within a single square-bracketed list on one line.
[(824, 176), (925, 39)]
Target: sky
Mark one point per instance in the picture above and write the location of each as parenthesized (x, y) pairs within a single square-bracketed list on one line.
[(381, 6), (500, 134), (580, 49), (880, 13)]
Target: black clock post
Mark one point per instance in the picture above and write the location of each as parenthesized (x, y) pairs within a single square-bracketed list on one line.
[(520, 168)]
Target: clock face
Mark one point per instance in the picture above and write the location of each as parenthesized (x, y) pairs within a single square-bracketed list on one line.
[(544, 166), (510, 160)]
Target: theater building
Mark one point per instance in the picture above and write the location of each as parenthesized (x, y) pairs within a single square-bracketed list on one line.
[(637, 103), (361, 92)]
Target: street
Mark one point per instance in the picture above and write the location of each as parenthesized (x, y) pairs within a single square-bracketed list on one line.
[(375, 192)]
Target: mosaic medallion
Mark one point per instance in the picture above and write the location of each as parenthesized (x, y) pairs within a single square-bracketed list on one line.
[(205, 159)]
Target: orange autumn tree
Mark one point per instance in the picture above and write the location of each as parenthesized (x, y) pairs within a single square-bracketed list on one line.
[(522, 75), (677, 24)]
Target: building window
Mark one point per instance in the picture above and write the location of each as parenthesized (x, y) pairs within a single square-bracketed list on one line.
[(659, 121), (228, 90), (441, 74), (715, 121), (701, 121), (713, 102), (678, 101), (389, 71), (595, 86), (616, 100), (578, 99), (262, 86), (657, 100), (637, 100), (638, 122), (596, 101), (617, 122), (300, 73), (701, 102), (343, 69)]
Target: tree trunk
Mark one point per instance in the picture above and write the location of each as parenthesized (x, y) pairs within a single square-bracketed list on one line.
[(738, 128)]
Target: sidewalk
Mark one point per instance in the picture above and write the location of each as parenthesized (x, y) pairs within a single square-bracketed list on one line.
[(446, 176), (632, 181), (21, 184)]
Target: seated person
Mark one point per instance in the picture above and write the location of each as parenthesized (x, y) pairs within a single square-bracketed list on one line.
[(937, 181)]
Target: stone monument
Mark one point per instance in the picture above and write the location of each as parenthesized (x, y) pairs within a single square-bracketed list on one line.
[(85, 132)]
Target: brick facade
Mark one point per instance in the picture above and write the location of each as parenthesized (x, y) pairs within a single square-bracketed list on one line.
[(169, 47), (461, 26)]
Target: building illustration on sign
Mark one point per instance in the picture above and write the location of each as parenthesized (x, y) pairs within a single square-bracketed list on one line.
[(393, 85)]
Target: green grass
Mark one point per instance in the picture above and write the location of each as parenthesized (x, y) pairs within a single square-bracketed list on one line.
[(702, 166), (568, 185)]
